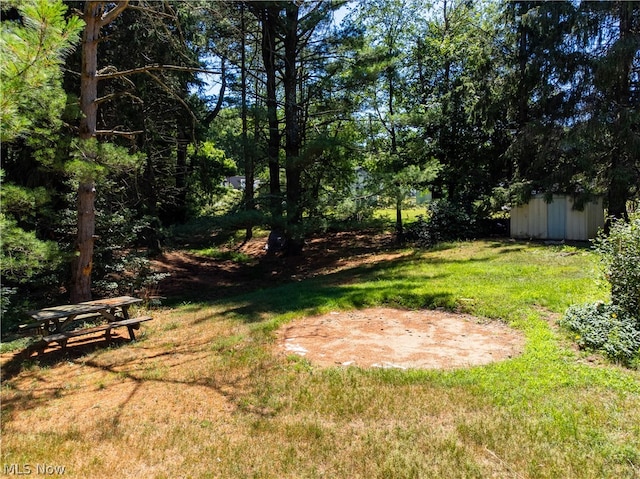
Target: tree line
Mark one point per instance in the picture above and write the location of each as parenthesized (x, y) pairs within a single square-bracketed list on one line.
[(120, 119)]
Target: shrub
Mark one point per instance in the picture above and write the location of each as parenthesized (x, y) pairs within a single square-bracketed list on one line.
[(354, 210), (446, 221), (620, 256), (26, 263), (605, 327), (614, 327), (129, 274)]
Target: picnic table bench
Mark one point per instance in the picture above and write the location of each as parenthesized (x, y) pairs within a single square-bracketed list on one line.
[(60, 323)]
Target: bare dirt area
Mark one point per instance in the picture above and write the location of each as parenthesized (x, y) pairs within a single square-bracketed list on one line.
[(393, 338)]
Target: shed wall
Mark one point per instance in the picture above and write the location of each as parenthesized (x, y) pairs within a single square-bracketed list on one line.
[(538, 216), (557, 217), (557, 220), (520, 221)]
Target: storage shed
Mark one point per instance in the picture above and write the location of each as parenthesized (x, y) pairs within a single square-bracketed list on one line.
[(557, 220)]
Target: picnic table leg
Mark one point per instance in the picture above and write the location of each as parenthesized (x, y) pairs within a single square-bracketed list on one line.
[(53, 326), (125, 314), (132, 335)]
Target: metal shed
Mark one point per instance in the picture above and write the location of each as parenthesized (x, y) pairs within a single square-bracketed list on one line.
[(557, 220)]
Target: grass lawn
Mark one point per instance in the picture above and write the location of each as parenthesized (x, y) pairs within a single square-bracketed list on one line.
[(409, 215), (204, 394)]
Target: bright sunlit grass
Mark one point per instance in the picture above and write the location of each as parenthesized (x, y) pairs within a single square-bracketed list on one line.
[(224, 254), (203, 395), (409, 215)]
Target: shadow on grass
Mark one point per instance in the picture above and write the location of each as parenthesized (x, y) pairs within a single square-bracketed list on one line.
[(35, 356), (435, 260), (384, 282), (136, 371), (271, 274), (311, 299), (515, 246)]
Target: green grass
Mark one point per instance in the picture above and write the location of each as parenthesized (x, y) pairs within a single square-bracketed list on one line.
[(223, 254), (409, 215), (552, 412), (14, 345), (511, 282)]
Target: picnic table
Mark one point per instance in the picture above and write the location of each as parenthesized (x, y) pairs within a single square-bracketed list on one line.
[(60, 323)]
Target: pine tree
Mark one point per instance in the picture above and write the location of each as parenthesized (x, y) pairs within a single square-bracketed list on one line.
[(34, 40)]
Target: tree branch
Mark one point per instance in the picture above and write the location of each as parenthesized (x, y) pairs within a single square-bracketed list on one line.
[(112, 14), (127, 134), (150, 11), (173, 94), (211, 116), (111, 96), (149, 68)]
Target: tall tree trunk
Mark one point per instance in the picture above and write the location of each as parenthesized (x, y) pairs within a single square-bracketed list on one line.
[(617, 193), (86, 219), (150, 188), (95, 19), (292, 133), (82, 264), (269, 22), (182, 173), (248, 159), (619, 175), (526, 154), (88, 79), (391, 71), (523, 93), (399, 227)]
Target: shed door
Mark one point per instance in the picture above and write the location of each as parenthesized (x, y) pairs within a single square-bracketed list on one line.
[(556, 218)]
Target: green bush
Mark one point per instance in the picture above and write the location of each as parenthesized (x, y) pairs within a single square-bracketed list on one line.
[(620, 256), (605, 327), (22, 254), (613, 327), (446, 221), (354, 210), (129, 274), (26, 262)]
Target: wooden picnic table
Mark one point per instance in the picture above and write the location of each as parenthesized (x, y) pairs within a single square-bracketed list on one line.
[(59, 323)]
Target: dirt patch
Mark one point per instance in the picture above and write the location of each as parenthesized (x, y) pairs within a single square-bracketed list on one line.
[(392, 338)]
